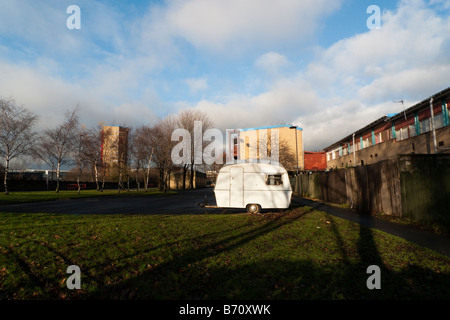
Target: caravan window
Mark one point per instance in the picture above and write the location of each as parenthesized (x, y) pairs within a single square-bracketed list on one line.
[(274, 179)]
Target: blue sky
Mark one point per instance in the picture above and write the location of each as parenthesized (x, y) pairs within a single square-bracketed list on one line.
[(246, 63)]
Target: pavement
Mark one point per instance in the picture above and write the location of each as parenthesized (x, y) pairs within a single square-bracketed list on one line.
[(433, 241)]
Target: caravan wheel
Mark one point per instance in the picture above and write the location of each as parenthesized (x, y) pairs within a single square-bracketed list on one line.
[(253, 208)]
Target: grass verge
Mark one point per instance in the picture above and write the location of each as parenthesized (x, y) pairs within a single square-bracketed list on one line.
[(298, 254)]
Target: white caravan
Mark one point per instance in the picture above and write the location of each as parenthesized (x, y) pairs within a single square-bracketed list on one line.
[(253, 186)]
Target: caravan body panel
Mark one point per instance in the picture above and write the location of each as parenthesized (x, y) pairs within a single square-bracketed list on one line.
[(241, 184), (236, 198)]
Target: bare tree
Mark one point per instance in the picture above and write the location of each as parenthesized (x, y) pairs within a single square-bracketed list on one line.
[(149, 144), (90, 151), (163, 149), (186, 120), (99, 159), (16, 137), (134, 157), (58, 145), (119, 162), (142, 145), (82, 154)]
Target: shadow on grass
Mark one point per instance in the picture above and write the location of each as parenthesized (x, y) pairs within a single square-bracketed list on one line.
[(187, 277), (156, 276), (181, 278), (369, 255)]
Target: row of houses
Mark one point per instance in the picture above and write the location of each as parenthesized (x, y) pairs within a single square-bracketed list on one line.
[(420, 129)]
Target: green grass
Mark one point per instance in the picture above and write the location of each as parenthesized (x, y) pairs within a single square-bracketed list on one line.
[(297, 254), (31, 196)]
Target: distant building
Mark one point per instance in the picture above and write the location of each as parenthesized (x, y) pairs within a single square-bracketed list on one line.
[(423, 129), (315, 161), (282, 143), (37, 175), (114, 147)]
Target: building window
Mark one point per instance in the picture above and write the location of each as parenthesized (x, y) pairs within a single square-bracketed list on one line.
[(402, 134), (366, 143), (438, 121), (378, 138), (274, 179), (398, 135), (412, 130), (405, 134), (425, 125)]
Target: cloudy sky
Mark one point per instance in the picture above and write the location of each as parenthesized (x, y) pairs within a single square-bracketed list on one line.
[(246, 63)]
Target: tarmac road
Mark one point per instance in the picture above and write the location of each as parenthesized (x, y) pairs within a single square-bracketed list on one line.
[(185, 202)]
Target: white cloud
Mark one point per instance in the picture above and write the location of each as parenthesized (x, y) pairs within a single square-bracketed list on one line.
[(412, 45), (272, 62), (407, 83), (285, 101), (49, 97), (196, 85), (235, 25), (442, 4)]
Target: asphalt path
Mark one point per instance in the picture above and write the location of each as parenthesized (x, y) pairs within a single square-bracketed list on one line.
[(184, 202)]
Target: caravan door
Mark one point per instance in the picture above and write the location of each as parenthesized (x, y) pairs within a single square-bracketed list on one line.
[(236, 187)]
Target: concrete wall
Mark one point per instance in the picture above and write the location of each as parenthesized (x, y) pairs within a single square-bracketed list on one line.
[(413, 186)]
